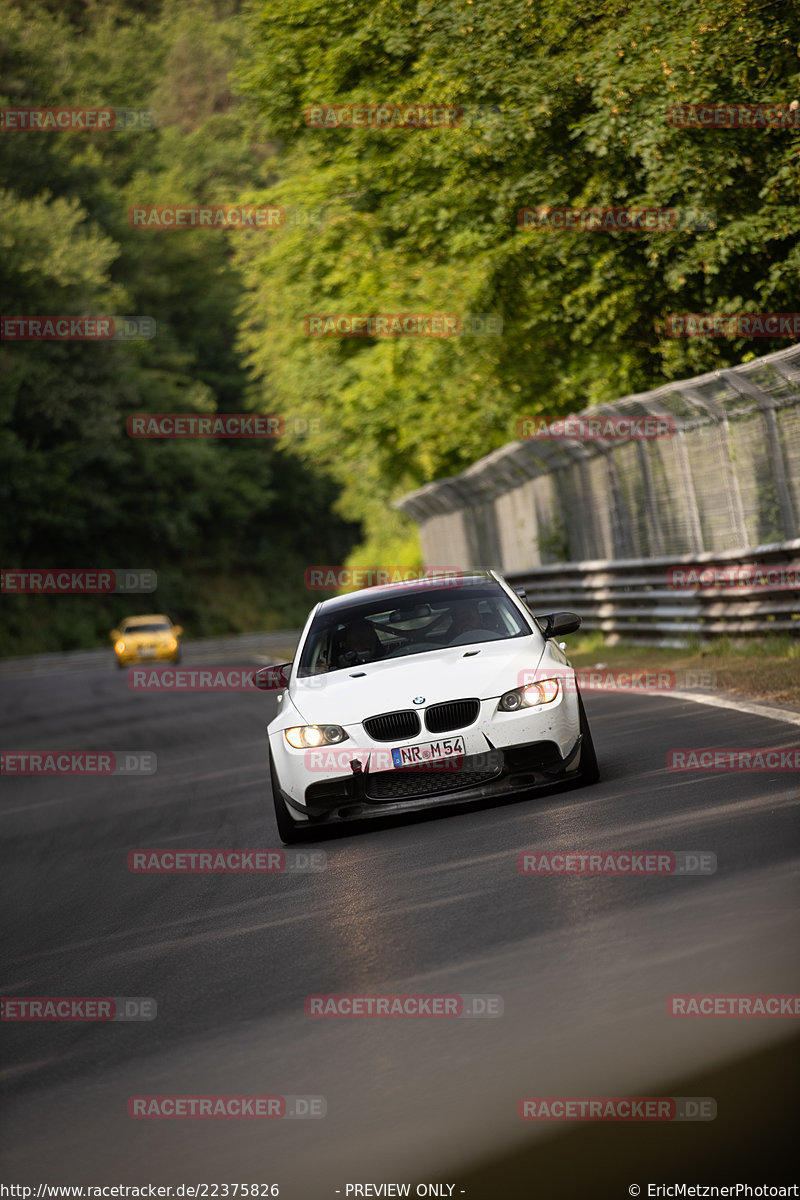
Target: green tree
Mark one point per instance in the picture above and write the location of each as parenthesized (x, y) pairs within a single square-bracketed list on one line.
[(229, 527), (562, 107)]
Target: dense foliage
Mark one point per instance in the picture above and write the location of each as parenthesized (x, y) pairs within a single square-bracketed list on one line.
[(563, 105), (229, 526)]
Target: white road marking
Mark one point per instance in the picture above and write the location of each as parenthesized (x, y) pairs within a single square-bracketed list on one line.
[(744, 706)]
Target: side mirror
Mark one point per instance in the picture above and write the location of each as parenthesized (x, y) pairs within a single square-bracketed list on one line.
[(559, 624), (270, 679), (115, 635), (177, 630)]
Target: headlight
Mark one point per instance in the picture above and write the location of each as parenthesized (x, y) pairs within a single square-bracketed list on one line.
[(307, 737), (119, 646), (172, 644), (529, 696)]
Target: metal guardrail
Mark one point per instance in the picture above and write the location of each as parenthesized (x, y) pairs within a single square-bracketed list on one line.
[(625, 599), (632, 599)]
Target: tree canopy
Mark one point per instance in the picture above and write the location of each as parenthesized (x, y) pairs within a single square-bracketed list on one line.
[(563, 105), (560, 106), (229, 526)]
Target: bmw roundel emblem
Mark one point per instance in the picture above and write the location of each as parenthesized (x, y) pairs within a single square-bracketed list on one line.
[(419, 700)]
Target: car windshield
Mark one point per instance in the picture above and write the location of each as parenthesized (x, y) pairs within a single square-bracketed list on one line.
[(146, 627), (426, 620)]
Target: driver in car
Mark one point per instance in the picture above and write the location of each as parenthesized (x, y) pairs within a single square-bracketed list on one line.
[(359, 643), (465, 620)]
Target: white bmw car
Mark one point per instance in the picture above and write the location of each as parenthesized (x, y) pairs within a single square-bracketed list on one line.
[(421, 694)]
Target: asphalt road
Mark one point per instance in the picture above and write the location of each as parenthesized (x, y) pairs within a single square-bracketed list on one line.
[(584, 965)]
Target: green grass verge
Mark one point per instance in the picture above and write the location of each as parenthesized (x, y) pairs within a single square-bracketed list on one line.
[(765, 668)]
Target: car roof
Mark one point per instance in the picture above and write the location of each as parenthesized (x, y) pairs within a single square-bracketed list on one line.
[(390, 593), (151, 617)]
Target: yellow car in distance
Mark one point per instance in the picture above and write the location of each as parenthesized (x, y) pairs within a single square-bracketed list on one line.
[(147, 639)]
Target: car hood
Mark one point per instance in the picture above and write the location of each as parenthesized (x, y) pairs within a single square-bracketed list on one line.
[(437, 675)]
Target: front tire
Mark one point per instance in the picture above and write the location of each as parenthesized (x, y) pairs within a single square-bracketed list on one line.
[(288, 829)]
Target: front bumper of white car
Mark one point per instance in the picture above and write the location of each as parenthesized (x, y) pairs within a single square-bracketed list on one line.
[(503, 754)]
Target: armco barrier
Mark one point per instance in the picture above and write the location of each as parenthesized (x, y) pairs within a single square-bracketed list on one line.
[(593, 525), (632, 599)]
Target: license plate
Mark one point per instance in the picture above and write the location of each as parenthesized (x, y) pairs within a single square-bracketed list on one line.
[(147, 651), (425, 752)]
